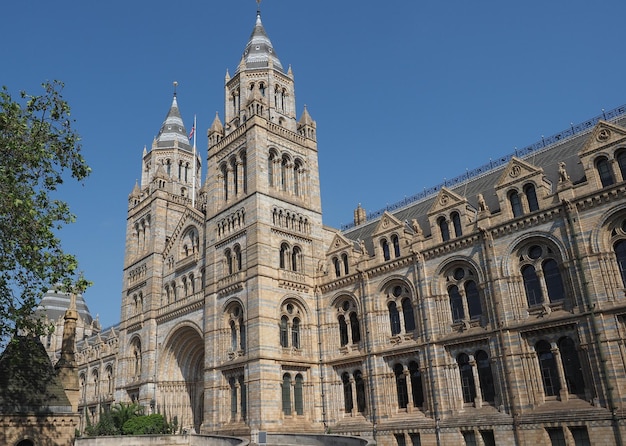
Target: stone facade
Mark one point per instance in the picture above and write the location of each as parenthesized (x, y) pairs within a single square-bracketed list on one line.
[(490, 311)]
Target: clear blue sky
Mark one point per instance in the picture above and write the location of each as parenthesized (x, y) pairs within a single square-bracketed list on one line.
[(405, 92)]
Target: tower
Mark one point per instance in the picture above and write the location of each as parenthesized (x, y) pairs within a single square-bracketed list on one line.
[(263, 236), (162, 271)]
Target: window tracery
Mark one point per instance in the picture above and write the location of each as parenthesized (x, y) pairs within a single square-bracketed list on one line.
[(541, 274), (349, 325), (463, 293)]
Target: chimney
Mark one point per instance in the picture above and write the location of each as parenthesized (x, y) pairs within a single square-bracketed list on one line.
[(359, 215)]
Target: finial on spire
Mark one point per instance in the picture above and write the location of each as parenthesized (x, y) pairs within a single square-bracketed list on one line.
[(175, 85), (258, 7)]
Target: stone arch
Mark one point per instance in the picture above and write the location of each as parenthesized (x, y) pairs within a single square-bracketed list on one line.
[(599, 239), (509, 263), (437, 285), (181, 371)]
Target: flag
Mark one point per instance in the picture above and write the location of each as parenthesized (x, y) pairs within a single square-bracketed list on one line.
[(193, 130)]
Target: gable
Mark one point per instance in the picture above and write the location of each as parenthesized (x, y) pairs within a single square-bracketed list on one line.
[(517, 170), (339, 243), (446, 199), (604, 134), (387, 223)]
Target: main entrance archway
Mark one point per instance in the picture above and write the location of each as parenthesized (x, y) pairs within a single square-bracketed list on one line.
[(180, 383)]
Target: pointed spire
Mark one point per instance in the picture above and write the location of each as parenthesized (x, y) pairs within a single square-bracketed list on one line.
[(259, 50), (136, 192), (217, 125), (306, 119), (173, 132), (227, 76)]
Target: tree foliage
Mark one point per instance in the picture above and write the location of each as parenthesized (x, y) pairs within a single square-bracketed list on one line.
[(146, 424), (39, 149)]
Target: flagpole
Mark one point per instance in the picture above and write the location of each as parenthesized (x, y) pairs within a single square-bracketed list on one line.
[(193, 194)]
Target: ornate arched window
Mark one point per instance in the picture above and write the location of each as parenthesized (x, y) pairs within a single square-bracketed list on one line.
[(548, 368), (286, 393), (604, 172), (343, 330), (337, 267), (291, 325), (456, 223), (348, 404), (224, 170), (468, 385), (359, 383), (233, 336), (394, 318), (238, 258), (621, 162), (534, 295), (554, 284), (298, 399), (283, 173), (344, 260), (384, 245), (399, 297), (110, 380), (416, 384), (516, 204), (270, 169), (95, 378), (541, 257), (349, 327), (244, 171), (396, 245), (463, 293), (235, 175), (136, 358), (456, 303), (232, 383), (618, 240), (284, 255), (485, 376), (228, 258), (295, 333), (296, 259), (409, 317), (401, 388), (355, 328), (571, 367), (531, 197), (284, 331), (443, 228), (297, 170), (620, 256), (235, 321)]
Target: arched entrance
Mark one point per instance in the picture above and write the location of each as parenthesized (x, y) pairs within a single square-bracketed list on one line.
[(180, 388)]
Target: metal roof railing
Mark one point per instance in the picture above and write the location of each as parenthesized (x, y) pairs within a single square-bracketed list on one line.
[(557, 138)]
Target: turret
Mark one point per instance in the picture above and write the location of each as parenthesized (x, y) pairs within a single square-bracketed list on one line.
[(66, 366)]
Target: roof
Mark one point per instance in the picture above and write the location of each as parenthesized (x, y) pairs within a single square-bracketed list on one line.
[(173, 130), (54, 304), (28, 382), (484, 180), (259, 50)]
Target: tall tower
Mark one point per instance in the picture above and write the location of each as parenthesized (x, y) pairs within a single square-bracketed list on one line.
[(263, 239), (162, 270)]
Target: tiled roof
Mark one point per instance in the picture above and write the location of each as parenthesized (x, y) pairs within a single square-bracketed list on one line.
[(548, 159), (28, 382)]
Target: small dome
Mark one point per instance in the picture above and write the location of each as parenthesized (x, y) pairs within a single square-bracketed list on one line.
[(54, 304)]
